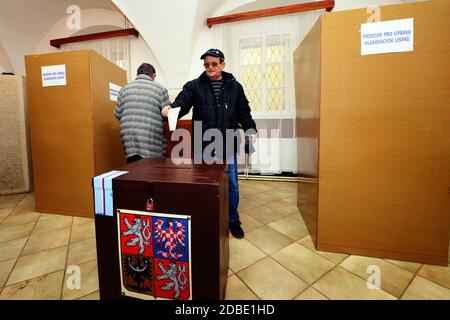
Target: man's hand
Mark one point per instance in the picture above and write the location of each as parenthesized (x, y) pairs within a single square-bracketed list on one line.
[(165, 111), (253, 137)]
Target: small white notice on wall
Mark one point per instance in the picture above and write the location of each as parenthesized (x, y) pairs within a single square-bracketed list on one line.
[(114, 91), (54, 75), (387, 36)]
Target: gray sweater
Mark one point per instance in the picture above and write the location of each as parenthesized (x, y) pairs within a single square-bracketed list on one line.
[(138, 109)]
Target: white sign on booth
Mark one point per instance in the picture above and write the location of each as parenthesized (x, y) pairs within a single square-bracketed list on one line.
[(54, 75), (387, 36)]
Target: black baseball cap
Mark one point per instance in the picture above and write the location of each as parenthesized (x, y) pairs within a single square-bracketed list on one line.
[(213, 53)]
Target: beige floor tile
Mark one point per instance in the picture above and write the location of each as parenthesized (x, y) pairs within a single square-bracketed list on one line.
[(41, 241), (23, 207), (89, 282), (93, 296), (243, 254), (291, 187), (440, 275), (281, 194), (29, 199), (291, 200), (5, 270), (283, 207), (230, 272), (270, 281), (264, 214), (23, 218), (311, 294), (46, 216), (82, 229), (410, 266), (237, 290), (264, 198), (247, 203), (82, 251), (340, 284), (292, 228), (261, 186), (394, 280), (246, 190), (4, 213), (11, 249), (249, 223), (423, 289), (12, 232), (304, 263), (52, 222), (333, 257), (11, 200), (38, 264), (46, 287), (297, 216), (268, 240)]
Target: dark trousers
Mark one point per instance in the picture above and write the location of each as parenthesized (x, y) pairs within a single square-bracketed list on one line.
[(134, 158)]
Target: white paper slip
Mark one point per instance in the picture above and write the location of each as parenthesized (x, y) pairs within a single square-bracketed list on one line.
[(173, 117)]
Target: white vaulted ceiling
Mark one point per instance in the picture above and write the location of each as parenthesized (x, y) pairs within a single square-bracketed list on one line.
[(23, 23)]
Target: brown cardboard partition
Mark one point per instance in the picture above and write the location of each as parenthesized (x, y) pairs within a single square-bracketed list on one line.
[(74, 134), (380, 127)]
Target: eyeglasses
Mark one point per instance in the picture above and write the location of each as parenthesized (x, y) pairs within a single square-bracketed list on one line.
[(211, 64)]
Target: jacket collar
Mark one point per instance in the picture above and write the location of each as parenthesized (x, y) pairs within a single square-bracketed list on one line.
[(226, 77), (144, 77)]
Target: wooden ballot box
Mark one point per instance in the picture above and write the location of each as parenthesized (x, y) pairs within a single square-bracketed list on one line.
[(376, 127), (74, 134), (166, 233)]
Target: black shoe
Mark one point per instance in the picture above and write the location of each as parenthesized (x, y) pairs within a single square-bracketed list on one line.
[(236, 230)]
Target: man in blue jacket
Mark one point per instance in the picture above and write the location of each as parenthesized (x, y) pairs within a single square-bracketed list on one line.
[(220, 104)]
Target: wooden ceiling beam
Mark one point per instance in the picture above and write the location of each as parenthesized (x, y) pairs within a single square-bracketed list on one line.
[(94, 36), (302, 7)]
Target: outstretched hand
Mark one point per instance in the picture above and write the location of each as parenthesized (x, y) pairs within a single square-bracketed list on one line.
[(165, 111)]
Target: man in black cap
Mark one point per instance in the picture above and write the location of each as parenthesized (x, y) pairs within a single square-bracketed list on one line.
[(220, 104)]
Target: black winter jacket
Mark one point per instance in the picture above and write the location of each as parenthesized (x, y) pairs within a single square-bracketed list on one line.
[(233, 111)]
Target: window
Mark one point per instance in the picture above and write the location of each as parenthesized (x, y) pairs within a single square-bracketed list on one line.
[(265, 72)]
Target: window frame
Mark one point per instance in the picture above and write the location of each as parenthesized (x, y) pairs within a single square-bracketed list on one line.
[(264, 41)]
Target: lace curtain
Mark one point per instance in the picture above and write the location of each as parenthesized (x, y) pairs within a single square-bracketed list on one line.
[(116, 50), (259, 53)]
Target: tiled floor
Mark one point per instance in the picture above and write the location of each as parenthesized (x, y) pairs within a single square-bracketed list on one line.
[(276, 260)]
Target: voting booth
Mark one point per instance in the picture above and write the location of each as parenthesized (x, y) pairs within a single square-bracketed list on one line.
[(373, 117), (162, 231), (74, 134)]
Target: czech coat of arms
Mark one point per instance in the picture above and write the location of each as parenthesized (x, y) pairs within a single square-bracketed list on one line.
[(155, 255)]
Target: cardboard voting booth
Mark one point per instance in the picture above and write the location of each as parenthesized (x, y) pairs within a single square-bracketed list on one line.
[(373, 117), (74, 134)]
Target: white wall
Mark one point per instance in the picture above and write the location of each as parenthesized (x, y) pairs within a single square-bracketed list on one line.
[(139, 51), (341, 5), (167, 28), (5, 64)]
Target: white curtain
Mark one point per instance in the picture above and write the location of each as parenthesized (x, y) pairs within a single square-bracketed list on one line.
[(249, 48), (116, 50)]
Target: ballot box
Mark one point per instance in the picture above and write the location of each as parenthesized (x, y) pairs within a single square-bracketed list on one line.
[(162, 231)]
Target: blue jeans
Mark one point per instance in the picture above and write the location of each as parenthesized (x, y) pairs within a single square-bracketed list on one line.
[(233, 190)]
